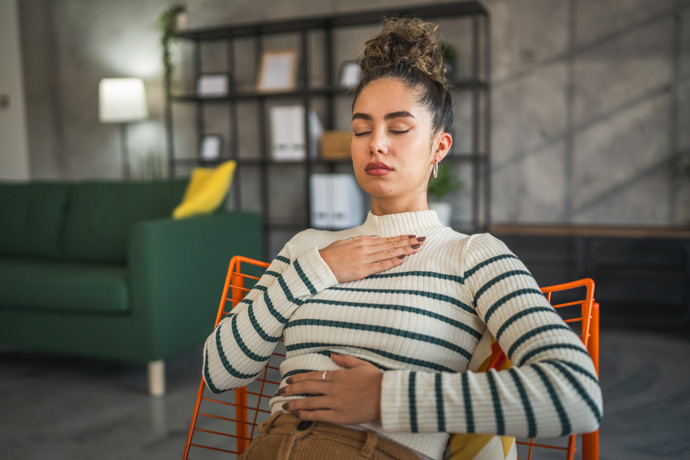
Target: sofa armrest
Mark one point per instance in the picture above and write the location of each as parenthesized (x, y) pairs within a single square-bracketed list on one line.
[(177, 269)]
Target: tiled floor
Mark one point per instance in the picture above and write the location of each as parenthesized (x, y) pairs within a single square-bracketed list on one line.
[(57, 407)]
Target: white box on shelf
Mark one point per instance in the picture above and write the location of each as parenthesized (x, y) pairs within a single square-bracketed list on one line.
[(336, 201), (287, 133)]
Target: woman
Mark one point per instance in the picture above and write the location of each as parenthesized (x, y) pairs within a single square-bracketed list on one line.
[(380, 321)]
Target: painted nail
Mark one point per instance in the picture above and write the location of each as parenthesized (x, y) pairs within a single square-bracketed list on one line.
[(289, 381), (281, 391), (415, 246), (285, 406), (411, 236), (421, 238), (401, 257)]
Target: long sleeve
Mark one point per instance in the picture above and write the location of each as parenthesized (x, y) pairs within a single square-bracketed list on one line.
[(552, 390), (239, 347)]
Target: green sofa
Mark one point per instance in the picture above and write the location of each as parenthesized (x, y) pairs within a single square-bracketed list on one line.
[(100, 269)]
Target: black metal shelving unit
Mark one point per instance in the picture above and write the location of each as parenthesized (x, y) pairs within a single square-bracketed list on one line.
[(477, 84)]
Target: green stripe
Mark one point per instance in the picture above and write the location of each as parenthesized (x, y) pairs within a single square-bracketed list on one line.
[(248, 353), (529, 334), (581, 370), (209, 382), (430, 295), (469, 416), (565, 422), (442, 276), (288, 293), (304, 278), (297, 371), (502, 301), (536, 351), (285, 260), (498, 278), (440, 413), (257, 327), (579, 388), (404, 308), (520, 314), (382, 330), (272, 273), (267, 300), (412, 401), (385, 354), (498, 411), (480, 265), (226, 364), (529, 413)]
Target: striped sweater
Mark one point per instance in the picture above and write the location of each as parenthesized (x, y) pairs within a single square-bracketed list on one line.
[(420, 322)]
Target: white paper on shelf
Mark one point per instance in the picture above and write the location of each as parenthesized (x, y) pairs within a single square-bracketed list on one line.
[(347, 201), (287, 133), (321, 201)]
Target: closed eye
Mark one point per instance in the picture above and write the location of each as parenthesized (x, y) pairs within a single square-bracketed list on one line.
[(400, 132), (362, 133)]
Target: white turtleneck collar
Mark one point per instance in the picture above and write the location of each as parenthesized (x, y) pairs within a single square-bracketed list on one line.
[(404, 223)]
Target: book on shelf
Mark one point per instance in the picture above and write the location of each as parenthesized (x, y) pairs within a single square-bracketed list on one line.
[(288, 140), (336, 201)]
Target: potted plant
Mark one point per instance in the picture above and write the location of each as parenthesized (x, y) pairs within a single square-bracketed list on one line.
[(441, 186), (167, 25), (450, 59)]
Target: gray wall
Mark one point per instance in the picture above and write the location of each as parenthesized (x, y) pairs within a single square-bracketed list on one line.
[(591, 98)]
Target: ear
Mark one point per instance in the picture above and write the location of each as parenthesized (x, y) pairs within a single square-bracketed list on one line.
[(442, 144)]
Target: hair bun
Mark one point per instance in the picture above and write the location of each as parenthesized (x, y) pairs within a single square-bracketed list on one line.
[(405, 40)]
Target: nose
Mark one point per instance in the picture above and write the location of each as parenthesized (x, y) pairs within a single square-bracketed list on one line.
[(378, 144)]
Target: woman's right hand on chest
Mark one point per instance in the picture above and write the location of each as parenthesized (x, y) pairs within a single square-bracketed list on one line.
[(361, 256)]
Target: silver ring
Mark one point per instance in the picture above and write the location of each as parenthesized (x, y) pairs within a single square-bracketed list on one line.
[(323, 376)]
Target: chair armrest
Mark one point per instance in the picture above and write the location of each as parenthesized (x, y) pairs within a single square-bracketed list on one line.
[(177, 270)]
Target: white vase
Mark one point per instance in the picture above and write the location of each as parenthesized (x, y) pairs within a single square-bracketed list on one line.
[(443, 210)]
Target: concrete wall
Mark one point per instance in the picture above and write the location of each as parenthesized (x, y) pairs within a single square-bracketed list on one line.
[(591, 98), (14, 152)]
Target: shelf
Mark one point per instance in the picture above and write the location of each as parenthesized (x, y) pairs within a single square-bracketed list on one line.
[(322, 22)]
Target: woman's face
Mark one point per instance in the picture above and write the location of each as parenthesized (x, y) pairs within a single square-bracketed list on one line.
[(393, 146)]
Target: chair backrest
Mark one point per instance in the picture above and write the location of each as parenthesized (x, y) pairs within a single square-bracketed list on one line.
[(217, 432)]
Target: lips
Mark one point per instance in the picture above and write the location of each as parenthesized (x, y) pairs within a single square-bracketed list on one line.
[(377, 169)]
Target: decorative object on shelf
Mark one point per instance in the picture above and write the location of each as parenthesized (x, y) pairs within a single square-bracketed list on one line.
[(168, 23), (336, 201), (451, 56), (212, 85), (288, 142), (278, 71), (443, 185), (350, 73), (210, 147), (122, 100), (336, 145), (206, 190)]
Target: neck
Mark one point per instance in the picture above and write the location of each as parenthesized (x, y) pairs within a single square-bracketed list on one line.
[(384, 207)]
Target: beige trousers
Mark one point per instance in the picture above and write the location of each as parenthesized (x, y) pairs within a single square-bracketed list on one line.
[(284, 437)]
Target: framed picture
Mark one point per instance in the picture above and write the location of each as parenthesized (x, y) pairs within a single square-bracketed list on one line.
[(350, 72), (211, 147), (278, 71), (213, 85)]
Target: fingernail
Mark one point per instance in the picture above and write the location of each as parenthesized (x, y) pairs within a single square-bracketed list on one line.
[(285, 406), (411, 236), (401, 257), (415, 246), (421, 238), (296, 414), (289, 381), (281, 391)]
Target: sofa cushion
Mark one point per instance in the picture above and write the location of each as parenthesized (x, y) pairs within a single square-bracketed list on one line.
[(69, 286), (32, 218), (100, 215)]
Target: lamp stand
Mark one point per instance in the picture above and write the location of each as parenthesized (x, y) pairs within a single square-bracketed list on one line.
[(125, 150)]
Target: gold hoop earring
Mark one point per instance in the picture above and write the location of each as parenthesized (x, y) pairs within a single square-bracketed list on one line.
[(435, 170)]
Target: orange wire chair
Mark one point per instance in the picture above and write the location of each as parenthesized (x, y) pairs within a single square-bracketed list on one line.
[(216, 433)]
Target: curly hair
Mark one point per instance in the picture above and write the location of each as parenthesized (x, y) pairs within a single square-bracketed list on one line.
[(407, 49)]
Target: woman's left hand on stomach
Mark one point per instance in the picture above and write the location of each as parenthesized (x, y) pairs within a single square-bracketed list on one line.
[(350, 396)]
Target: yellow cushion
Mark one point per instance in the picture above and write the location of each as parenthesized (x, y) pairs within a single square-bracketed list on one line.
[(206, 190)]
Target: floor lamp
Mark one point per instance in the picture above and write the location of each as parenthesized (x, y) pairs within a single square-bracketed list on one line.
[(122, 100)]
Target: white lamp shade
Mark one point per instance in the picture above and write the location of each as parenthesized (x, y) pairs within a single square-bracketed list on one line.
[(121, 100)]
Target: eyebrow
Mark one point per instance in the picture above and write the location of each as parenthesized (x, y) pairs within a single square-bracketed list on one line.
[(389, 116)]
